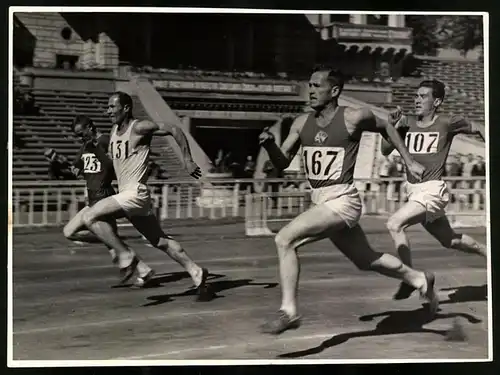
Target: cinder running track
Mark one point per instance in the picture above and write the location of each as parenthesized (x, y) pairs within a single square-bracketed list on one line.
[(66, 308)]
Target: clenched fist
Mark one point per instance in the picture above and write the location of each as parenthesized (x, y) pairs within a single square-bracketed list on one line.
[(193, 169), (397, 118), (265, 137), (416, 169)]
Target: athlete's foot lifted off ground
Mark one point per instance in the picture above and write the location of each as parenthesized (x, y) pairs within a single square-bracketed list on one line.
[(330, 139)]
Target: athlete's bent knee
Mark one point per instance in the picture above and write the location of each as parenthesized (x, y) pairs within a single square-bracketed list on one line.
[(370, 262), (283, 241), (452, 242), (88, 218), (67, 232), (166, 243), (394, 225)]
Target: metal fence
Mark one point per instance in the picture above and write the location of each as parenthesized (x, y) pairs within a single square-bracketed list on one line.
[(52, 203)]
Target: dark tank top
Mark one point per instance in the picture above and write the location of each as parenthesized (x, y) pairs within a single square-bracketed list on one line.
[(329, 153), (430, 145), (97, 169)]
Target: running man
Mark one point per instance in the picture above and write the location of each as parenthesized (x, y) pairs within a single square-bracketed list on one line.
[(94, 164), (330, 138), (129, 149), (428, 138)]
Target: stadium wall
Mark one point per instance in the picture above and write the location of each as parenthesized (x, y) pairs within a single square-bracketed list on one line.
[(58, 79)]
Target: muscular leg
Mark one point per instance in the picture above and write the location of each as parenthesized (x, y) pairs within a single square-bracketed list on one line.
[(441, 230), (409, 214), (105, 208), (317, 223), (76, 224), (149, 227), (312, 225), (352, 242)]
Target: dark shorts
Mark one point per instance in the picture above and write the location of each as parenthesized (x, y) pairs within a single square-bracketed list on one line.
[(95, 196)]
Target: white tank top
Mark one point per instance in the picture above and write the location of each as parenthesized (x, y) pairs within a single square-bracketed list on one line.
[(129, 161)]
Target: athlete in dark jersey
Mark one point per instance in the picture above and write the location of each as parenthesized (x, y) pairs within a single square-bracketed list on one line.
[(97, 169), (428, 138), (330, 138)]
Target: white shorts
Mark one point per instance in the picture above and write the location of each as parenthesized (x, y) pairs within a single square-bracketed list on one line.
[(344, 200), (135, 200), (433, 195)]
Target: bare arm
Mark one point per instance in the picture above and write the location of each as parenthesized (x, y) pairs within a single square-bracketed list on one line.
[(77, 165), (282, 157), (102, 145), (365, 120), (386, 146), (147, 127)]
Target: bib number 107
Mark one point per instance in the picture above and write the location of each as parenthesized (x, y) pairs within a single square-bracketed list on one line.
[(422, 142)]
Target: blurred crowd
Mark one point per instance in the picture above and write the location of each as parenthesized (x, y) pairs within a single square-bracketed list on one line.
[(457, 166), (24, 104)]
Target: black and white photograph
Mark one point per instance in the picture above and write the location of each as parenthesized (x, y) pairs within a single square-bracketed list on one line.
[(231, 186)]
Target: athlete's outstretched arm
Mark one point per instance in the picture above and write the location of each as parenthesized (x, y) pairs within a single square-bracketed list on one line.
[(282, 157), (367, 121), (147, 127), (400, 122), (386, 146), (461, 125)]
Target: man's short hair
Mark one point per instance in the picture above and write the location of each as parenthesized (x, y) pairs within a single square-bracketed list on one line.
[(124, 99), (438, 88), (83, 120), (335, 77)]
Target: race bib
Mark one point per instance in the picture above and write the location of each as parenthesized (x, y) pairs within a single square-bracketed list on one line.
[(422, 142), (323, 163), (91, 164)]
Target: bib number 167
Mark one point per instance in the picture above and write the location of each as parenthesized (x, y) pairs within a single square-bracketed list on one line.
[(323, 162)]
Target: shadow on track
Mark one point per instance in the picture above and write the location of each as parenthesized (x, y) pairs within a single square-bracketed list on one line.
[(394, 322), (215, 287)]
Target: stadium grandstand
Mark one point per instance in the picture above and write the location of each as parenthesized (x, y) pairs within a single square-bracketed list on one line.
[(226, 87), (223, 78)]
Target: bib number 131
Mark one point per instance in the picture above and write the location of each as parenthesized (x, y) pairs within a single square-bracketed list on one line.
[(119, 150), (321, 163)]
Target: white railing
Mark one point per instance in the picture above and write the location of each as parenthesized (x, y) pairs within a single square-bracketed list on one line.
[(53, 203)]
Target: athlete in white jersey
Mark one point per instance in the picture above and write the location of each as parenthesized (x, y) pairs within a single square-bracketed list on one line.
[(129, 148)]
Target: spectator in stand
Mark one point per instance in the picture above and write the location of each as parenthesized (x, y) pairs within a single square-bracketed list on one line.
[(383, 172), (59, 167), (468, 165), (24, 103), (248, 172), (249, 168), (479, 168), (29, 107), (396, 170), (272, 172), (155, 172)]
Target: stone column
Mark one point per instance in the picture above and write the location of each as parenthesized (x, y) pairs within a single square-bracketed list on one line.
[(358, 19)]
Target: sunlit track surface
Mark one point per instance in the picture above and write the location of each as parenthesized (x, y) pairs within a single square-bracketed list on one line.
[(65, 306)]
